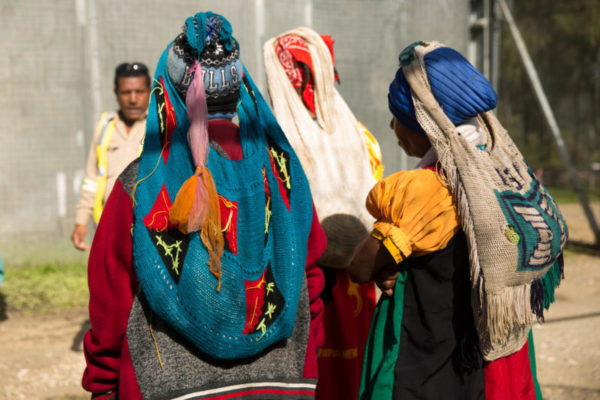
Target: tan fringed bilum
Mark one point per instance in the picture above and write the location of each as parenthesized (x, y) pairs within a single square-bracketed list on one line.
[(501, 287)]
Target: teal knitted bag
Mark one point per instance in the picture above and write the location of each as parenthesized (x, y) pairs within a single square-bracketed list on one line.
[(266, 213)]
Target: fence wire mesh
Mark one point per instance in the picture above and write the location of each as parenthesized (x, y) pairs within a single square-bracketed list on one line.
[(57, 74)]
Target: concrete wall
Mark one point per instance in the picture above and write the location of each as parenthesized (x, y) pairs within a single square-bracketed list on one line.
[(57, 71)]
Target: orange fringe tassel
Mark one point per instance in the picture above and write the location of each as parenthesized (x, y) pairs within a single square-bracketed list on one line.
[(210, 234), (179, 212)]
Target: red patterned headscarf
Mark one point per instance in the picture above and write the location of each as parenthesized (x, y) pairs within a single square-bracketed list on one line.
[(294, 56)]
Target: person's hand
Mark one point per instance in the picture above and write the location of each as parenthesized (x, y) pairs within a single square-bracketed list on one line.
[(386, 279), (369, 260), (78, 237)]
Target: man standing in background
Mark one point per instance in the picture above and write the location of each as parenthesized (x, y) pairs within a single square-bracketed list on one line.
[(117, 141)]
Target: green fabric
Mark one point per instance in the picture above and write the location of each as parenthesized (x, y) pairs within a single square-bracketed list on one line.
[(536, 384), (381, 353), (550, 281)]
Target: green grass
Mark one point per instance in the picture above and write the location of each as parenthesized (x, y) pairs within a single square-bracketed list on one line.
[(568, 195), (47, 288)]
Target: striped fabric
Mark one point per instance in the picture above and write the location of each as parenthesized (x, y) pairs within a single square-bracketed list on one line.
[(256, 390)]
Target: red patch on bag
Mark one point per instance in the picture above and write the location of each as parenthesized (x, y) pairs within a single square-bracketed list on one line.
[(158, 217), (170, 243), (255, 298), (264, 303), (229, 211)]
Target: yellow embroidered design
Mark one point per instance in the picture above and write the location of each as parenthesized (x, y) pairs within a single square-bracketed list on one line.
[(155, 342), (262, 327), (258, 285), (270, 287), (281, 160), (268, 214), (159, 88), (169, 251), (228, 224), (270, 310)]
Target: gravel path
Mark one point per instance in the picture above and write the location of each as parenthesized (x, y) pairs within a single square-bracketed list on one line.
[(41, 358), (38, 359)]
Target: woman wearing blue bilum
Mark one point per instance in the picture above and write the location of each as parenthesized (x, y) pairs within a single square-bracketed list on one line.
[(203, 271)]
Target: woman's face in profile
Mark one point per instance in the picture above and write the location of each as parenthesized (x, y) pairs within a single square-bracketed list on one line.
[(412, 143)]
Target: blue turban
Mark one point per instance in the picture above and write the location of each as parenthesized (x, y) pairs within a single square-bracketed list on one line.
[(460, 89)]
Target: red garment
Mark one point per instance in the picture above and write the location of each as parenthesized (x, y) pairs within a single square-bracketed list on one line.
[(346, 322), (510, 377), (227, 137), (293, 53), (112, 284)]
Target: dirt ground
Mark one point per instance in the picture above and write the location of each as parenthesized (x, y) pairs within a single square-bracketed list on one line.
[(41, 358)]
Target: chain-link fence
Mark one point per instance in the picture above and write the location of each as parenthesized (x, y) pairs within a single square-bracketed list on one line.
[(57, 73)]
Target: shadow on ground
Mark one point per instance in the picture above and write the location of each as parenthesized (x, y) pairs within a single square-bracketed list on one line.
[(580, 247), (573, 317), (3, 315), (78, 339)]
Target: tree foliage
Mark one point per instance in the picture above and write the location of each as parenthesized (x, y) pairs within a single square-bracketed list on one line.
[(563, 38)]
